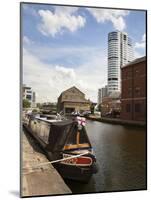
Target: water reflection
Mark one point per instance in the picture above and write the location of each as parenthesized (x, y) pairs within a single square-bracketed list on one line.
[(121, 157)]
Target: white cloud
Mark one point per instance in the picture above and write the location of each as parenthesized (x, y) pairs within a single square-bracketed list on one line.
[(114, 16), (49, 80), (144, 37), (66, 72), (142, 43), (56, 22), (138, 54), (26, 40), (27, 8), (93, 75), (37, 75), (139, 47), (65, 9)]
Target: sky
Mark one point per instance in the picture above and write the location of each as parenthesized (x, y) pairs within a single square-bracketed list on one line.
[(66, 46)]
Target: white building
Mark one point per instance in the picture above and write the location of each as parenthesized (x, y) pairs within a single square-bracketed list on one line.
[(30, 95), (120, 52), (102, 92)]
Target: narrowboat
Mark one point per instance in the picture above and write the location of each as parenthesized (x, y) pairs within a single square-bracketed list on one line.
[(66, 144)]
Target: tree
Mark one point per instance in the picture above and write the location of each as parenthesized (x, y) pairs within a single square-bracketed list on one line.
[(26, 103), (34, 111), (92, 108), (39, 105), (99, 107)]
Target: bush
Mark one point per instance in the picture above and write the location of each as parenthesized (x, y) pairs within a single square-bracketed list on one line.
[(34, 111), (26, 103)]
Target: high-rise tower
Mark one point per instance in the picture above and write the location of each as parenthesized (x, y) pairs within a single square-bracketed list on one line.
[(120, 52), (102, 92)]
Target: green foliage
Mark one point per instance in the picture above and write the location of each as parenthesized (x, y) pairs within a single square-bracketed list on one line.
[(34, 111), (26, 103), (92, 109), (39, 105), (99, 107)]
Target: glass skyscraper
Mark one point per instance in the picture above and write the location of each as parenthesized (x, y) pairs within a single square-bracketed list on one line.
[(120, 52)]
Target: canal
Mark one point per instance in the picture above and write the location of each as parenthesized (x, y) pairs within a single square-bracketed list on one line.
[(121, 158)]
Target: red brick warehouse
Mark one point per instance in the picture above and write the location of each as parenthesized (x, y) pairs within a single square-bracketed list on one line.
[(133, 97)]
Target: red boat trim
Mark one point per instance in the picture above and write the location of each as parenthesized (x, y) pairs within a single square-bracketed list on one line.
[(80, 161)]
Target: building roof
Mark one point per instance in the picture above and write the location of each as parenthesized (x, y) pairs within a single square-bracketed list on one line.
[(71, 89), (138, 60), (118, 32)]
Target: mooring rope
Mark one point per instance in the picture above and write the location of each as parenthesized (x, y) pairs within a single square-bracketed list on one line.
[(54, 161)]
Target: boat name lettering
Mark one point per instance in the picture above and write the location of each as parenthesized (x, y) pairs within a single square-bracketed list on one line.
[(69, 161)]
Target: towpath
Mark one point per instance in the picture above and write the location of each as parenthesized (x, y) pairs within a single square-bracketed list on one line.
[(39, 181)]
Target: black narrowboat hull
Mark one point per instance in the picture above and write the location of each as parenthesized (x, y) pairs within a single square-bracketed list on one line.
[(72, 172), (82, 174)]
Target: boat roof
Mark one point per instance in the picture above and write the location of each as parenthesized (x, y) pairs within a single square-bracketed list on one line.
[(60, 132), (55, 121)]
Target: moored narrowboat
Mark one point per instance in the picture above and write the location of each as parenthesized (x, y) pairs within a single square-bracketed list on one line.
[(66, 145)]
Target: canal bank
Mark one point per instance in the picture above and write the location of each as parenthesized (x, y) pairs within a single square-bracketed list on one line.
[(44, 180), (121, 158), (117, 121)]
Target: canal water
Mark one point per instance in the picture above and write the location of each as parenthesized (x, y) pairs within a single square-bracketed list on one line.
[(121, 158)]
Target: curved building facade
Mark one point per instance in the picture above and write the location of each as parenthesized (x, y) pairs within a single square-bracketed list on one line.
[(120, 52)]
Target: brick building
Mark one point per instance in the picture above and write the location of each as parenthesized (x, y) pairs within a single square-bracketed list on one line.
[(133, 98), (110, 104), (72, 100)]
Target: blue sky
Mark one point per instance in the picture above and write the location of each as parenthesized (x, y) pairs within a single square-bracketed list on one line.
[(65, 46)]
